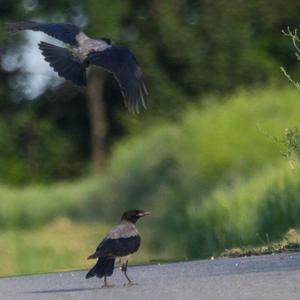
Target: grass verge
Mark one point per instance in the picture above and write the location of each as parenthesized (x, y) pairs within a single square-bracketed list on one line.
[(289, 243), (59, 245)]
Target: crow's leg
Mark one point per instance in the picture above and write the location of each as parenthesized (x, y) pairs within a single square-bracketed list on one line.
[(124, 271), (105, 284)]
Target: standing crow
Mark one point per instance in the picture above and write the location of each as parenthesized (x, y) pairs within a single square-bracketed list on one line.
[(122, 241), (71, 63)]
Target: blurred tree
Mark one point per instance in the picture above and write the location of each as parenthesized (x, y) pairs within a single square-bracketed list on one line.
[(38, 144), (187, 48), (97, 113), (102, 23), (194, 47)]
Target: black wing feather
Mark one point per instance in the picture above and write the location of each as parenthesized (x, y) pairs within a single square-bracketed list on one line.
[(122, 63), (63, 62), (64, 32), (117, 247)]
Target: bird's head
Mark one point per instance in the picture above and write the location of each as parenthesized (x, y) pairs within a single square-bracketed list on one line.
[(106, 40), (133, 215)]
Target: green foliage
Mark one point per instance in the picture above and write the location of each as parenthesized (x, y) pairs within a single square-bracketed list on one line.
[(293, 35), (291, 143), (291, 139), (32, 149), (212, 181), (187, 49), (210, 174), (36, 205), (199, 47), (290, 242), (281, 207), (42, 249), (235, 216), (176, 167), (232, 217)]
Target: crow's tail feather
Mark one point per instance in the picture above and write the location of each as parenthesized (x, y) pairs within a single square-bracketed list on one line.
[(93, 256), (103, 267), (64, 63)]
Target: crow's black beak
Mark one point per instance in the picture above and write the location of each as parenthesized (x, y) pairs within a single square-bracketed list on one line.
[(144, 213)]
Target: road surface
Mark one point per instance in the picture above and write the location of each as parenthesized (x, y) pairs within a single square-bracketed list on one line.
[(264, 277)]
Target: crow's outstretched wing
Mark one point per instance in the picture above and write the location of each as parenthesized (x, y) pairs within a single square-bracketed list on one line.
[(64, 32), (64, 63), (122, 63)]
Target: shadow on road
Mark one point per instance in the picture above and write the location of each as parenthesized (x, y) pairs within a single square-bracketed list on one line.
[(62, 291)]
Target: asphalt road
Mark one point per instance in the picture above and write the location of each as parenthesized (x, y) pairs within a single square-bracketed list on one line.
[(264, 277)]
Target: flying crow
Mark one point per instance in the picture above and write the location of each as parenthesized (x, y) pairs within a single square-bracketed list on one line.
[(71, 63), (122, 241)]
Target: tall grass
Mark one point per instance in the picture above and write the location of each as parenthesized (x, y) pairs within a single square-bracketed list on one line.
[(215, 179), (247, 213)]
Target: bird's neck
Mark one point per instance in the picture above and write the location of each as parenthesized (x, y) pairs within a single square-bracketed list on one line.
[(124, 221)]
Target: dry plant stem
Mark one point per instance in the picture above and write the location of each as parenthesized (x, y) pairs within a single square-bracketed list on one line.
[(293, 35)]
